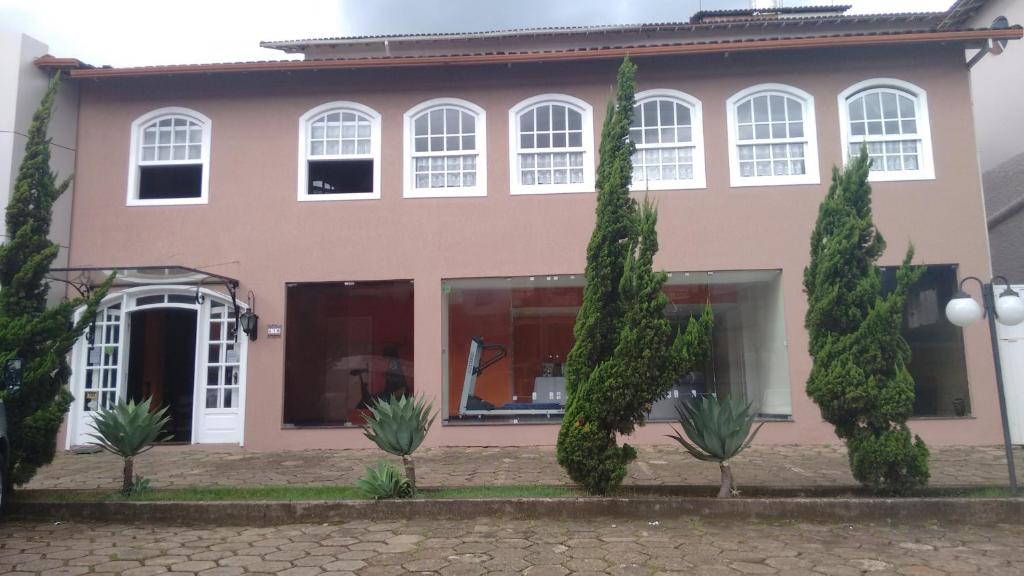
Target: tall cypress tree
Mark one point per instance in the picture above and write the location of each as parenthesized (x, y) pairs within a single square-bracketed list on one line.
[(624, 357), (40, 336), (860, 378)]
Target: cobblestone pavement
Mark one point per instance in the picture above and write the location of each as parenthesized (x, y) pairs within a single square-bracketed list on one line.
[(787, 466), (474, 548)]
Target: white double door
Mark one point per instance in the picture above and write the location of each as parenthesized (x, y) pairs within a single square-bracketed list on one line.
[(100, 363)]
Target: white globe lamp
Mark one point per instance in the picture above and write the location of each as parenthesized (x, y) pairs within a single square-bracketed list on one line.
[(1009, 307), (963, 310)]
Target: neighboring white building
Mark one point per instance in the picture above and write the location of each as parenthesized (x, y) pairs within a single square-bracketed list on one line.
[(997, 86), (22, 86)]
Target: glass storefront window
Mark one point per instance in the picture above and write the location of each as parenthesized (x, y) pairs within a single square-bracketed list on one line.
[(936, 345), (346, 344), (508, 338)]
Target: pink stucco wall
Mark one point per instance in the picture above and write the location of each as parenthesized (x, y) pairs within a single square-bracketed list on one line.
[(254, 229)]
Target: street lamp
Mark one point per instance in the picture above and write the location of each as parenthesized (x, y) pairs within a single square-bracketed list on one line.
[(1008, 308)]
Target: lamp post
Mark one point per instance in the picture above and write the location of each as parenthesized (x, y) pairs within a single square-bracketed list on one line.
[(1008, 308)]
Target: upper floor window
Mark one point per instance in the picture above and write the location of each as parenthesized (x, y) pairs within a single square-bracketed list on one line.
[(169, 158), (339, 153), (772, 136), (551, 145), (445, 142), (669, 137), (890, 118)]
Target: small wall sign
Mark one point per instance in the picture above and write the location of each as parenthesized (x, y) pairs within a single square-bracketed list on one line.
[(274, 330)]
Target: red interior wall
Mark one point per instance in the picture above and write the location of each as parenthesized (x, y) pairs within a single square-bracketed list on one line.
[(529, 338), (483, 313), (390, 307)]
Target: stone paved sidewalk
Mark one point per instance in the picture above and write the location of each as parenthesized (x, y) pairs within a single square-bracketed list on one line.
[(761, 466), (501, 547)]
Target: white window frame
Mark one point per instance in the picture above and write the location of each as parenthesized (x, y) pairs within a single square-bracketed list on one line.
[(408, 134), (587, 113), (926, 162), (811, 175), (135, 159), (303, 163), (699, 179)]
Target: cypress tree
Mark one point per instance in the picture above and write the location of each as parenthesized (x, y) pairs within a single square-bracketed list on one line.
[(860, 379), (624, 357), (41, 336)]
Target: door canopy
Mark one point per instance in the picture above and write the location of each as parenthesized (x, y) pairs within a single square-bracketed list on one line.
[(85, 279)]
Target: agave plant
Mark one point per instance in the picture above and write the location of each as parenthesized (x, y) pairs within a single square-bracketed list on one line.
[(718, 430), (398, 425), (384, 482), (127, 430)]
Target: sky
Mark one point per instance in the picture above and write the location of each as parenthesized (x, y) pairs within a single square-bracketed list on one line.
[(144, 32)]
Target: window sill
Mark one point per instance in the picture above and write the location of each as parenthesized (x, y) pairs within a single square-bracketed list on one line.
[(552, 189), (168, 202), (289, 427), (766, 181), (925, 418), (476, 192), (900, 176), (669, 185), (337, 197), (557, 421)]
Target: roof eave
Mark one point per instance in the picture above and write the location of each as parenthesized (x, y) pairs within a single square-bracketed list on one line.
[(967, 37)]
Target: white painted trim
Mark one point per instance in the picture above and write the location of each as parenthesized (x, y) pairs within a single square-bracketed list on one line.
[(127, 298), (924, 130), (812, 175), (409, 189), (375, 147), (699, 179), (133, 157), (589, 156)]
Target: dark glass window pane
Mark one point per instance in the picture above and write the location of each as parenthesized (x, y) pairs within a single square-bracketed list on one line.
[(346, 345), (936, 346), (170, 182), (531, 318), (340, 176)]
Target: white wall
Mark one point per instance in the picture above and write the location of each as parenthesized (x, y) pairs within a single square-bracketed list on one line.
[(22, 86), (997, 86), (764, 346)]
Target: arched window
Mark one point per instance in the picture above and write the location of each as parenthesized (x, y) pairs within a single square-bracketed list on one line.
[(339, 153), (445, 143), (552, 145), (890, 118), (772, 136), (668, 133), (169, 158)]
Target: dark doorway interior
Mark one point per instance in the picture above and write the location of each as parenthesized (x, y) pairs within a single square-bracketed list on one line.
[(162, 363)]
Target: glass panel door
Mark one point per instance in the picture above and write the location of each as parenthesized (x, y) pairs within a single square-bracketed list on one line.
[(101, 378), (221, 353)]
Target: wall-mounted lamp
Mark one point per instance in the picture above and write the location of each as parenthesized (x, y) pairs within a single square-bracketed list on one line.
[(248, 320)]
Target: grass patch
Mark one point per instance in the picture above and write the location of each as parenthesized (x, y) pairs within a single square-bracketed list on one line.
[(990, 492), (501, 492), (257, 493), (290, 494)]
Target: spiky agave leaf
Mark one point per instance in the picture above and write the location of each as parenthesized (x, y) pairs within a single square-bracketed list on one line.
[(716, 429), (384, 482), (129, 429), (399, 425)]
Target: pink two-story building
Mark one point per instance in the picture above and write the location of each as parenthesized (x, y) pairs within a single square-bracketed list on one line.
[(410, 214)]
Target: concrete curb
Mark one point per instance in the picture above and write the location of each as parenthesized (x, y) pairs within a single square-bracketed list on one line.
[(977, 511)]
